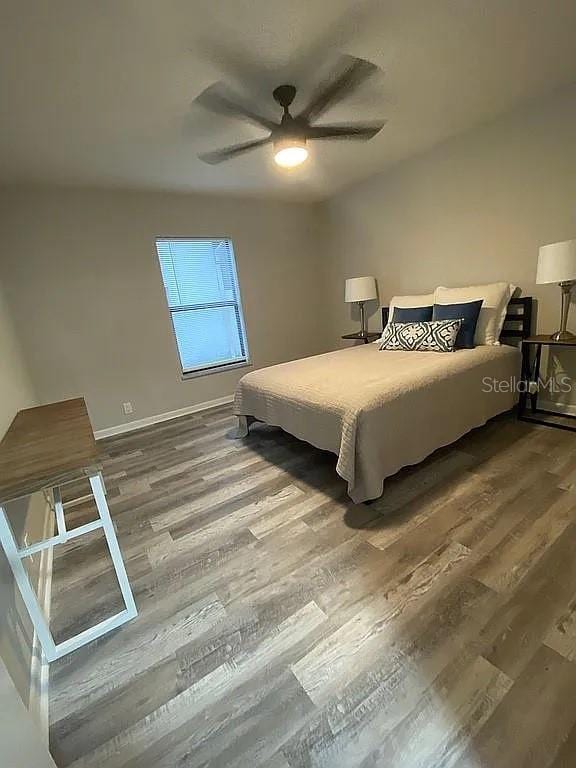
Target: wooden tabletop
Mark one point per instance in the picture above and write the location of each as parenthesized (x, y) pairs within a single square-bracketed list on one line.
[(545, 339), (44, 446)]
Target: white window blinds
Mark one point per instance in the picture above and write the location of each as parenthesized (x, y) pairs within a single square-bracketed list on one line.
[(204, 300)]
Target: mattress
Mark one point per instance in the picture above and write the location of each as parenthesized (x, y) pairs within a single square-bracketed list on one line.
[(381, 410)]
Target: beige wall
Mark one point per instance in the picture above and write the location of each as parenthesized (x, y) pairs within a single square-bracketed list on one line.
[(16, 392), (88, 298), (474, 209)]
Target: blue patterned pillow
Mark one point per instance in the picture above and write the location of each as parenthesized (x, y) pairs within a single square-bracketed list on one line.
[(434, 336)]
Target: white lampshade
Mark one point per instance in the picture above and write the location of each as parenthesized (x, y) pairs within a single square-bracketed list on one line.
[(360, 289), (557, 262)]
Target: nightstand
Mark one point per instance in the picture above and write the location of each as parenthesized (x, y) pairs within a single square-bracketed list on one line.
[(365, 337), (531, 358)]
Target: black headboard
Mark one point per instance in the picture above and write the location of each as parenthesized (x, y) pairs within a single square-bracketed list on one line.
[(518, 322)]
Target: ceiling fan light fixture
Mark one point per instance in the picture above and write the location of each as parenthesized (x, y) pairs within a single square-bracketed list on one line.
[(290, 134), (290, 153)]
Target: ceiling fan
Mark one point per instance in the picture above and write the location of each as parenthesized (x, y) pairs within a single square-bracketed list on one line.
[(290, 136)]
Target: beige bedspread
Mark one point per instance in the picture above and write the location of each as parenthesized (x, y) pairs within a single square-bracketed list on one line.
[(379, 410)]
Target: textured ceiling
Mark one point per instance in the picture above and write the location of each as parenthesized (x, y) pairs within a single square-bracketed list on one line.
[(99, 93)]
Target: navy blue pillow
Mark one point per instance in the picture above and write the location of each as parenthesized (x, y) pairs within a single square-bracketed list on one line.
[(412, 314), (468, 312)]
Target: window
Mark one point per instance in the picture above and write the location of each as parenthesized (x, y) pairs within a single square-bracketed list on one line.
[(204, 300)]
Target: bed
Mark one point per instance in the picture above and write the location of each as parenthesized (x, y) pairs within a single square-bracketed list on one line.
[(379, 411)]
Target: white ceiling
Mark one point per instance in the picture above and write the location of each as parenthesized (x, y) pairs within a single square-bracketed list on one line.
[(99, 92)]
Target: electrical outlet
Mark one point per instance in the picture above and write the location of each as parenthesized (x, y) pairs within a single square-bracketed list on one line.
[(128, 408)]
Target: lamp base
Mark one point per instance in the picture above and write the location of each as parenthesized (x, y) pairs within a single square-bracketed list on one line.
[(362, 319), (563, 336)]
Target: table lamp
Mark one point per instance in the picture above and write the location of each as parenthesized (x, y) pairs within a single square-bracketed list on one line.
[(357, 291), (557, 264)]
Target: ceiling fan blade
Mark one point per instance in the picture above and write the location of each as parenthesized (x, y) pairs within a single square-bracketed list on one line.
[(350, 73), (219, 99), (220, 155), (360, 131)]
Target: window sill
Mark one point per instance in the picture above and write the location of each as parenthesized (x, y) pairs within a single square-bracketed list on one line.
[(215, 369)]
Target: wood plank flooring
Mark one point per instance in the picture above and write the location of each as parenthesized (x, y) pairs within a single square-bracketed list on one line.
[(281, 625)]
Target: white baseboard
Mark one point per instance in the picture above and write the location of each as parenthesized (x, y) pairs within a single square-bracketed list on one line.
[(39, 667), (130, 426), (550, 405)]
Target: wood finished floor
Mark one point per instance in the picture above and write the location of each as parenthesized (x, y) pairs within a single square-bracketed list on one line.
[(282, 625)]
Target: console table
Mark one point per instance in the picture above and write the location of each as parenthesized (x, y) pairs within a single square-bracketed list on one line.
[(44, 449)]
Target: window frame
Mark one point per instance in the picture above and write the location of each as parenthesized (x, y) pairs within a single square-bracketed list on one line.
[(216, 367)]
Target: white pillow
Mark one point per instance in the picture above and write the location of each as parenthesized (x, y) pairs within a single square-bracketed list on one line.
[(424, 300), (495, 297)]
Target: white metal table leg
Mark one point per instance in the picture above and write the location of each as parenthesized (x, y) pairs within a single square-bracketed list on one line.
[(15, 556), (100, 498), (101, 476), (59, 512), (28, 594)]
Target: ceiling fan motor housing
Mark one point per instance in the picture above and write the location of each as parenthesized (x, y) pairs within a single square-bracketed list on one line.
[(290, 127), (284, 95)]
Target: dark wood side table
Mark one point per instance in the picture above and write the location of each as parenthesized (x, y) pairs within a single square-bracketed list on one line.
[(528, 409), (365, 337)]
